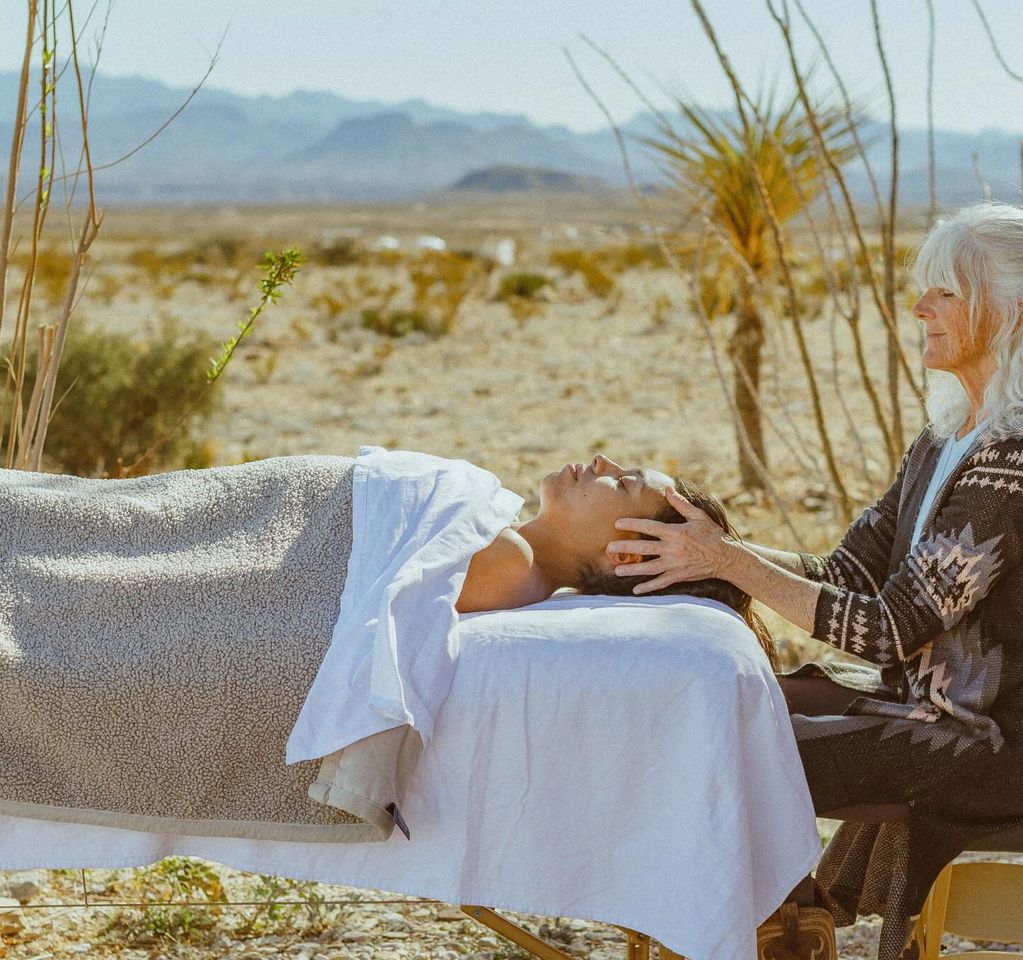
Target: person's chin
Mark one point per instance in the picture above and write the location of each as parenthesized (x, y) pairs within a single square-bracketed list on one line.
[(549, 485)]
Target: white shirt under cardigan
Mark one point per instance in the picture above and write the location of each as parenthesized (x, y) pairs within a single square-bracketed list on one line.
[(951, 453)]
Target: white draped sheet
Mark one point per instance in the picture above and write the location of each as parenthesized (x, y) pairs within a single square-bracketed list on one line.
[(623, 760)]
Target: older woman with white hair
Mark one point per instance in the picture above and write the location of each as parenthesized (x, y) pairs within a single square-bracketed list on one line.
[(926, 587)]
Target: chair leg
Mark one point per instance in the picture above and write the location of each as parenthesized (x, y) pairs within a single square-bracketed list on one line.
[(931, 922)]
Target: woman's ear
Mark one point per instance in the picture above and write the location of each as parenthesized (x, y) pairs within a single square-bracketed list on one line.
[(619, 558)]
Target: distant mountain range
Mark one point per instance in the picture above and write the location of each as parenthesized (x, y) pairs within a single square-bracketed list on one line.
[(307, 147)]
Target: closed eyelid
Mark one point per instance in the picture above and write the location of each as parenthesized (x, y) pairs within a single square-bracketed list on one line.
[(638, 484)]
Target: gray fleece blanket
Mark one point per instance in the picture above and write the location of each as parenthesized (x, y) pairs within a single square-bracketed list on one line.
[(158, 636)]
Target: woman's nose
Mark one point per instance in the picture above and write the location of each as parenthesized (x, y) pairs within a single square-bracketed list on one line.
[(602, 464), (921, 310)]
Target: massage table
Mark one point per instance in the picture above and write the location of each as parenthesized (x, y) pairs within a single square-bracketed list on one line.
[(623, 760)]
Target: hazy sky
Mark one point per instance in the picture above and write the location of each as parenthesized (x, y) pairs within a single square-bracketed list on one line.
[(506, 56)]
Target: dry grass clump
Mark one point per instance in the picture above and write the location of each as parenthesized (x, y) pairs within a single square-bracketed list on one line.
[(200, 882), (441, 281), (522, 294), (398, 323), (335, 252), (209, 261)]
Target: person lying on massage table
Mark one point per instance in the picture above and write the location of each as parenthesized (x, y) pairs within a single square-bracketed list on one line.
[(564, 544), (309, 601)]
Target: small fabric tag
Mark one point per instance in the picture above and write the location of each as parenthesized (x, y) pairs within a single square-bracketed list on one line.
[(399, 820)]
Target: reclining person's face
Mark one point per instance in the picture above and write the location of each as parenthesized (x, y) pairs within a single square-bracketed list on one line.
[(581, 503)]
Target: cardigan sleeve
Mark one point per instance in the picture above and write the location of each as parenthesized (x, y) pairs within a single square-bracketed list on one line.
[(976, 538), (860, 561)]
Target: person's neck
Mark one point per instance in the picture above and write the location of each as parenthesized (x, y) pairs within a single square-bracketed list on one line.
[(553, 562), (975, 380)]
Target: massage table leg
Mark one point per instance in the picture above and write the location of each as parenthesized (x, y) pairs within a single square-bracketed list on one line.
[(638, 948), (639, 944), (515, 933)]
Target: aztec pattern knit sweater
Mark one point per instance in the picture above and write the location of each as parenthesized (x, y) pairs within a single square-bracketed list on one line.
[(939, 722)]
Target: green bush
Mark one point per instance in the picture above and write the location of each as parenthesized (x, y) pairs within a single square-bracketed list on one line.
[(124, 396), (525, 285), (172, 879)]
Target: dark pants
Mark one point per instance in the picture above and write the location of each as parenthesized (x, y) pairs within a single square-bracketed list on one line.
[(814, 696), (843, 763), (954, 797)]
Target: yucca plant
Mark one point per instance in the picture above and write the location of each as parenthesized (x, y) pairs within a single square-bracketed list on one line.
[(713, 164)]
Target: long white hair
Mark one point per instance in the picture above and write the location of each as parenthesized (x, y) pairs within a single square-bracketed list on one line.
[(977, 254)]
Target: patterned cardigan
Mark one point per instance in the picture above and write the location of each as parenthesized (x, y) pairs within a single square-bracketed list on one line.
[(942, 620)]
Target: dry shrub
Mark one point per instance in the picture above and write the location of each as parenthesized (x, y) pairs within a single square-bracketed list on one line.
[(382, 258), (174, 878), (598, 281), (125, 396), (205, 262), (53, 266), (397, 323), (630, 256), (441, 280), (339, 252)]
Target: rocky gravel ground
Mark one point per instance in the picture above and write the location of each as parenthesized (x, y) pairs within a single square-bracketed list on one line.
[(337, 923)]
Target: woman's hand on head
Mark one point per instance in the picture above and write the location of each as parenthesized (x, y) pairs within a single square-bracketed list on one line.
[(694, 550)]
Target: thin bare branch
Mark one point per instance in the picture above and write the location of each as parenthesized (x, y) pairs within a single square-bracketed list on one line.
[(995, 49), (847, 102), (888, 228), (880, 301), (838, 483), (851, 316), (669, 256), (932, 173), (14, 162), (163, 126)]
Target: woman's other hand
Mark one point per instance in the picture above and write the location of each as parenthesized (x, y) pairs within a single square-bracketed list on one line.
[(695, 550)]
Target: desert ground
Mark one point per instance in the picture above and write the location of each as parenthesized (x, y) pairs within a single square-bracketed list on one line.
[(519, 383)]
